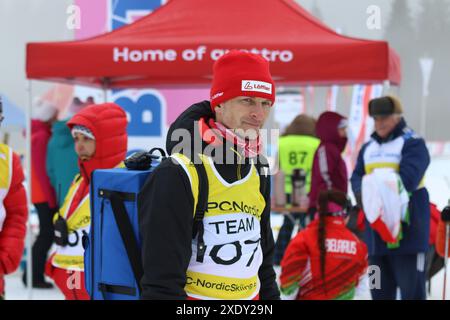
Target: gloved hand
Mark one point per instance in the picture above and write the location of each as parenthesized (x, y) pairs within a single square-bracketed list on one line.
[(445, 214)]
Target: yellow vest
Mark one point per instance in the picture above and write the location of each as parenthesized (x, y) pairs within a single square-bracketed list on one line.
[(5, 178), (297, 152), (71, 257), (232, 235)]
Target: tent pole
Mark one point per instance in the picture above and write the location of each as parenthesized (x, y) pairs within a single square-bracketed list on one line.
[(28, 191), (386, 87)]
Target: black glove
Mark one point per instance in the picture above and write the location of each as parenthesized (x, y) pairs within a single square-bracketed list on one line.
[(445, 214), (143, 160), (61, 232)]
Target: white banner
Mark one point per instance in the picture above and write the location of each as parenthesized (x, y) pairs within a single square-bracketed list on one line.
[(377, 91), (287, 107), (355, 118), (332, 96)]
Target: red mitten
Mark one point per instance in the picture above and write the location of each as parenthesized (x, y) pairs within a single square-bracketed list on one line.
[(383, 231)]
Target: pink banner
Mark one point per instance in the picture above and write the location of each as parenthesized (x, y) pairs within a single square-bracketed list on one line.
[(93, 18), (178, 100)]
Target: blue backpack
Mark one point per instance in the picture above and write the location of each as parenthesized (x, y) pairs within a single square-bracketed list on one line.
[(112, 258)]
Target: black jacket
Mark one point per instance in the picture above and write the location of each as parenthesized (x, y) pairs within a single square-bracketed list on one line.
[(165, 219)]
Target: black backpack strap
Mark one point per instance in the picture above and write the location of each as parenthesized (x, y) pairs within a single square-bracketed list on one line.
[(202, 207), (126, 232), (262, 166)]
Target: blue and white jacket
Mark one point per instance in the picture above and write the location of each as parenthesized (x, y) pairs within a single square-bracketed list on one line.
[(407, 153)]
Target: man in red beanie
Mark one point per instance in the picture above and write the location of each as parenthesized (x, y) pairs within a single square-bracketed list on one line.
[(227, 253), (100, 138)]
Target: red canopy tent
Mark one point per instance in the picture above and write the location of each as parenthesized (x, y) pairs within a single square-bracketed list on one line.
[(178, 43)]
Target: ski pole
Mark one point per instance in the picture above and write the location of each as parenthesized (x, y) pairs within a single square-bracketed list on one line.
[(445, 217)]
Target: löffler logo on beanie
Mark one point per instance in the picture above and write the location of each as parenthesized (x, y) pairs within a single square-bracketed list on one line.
[(258, 86), (240, 73)]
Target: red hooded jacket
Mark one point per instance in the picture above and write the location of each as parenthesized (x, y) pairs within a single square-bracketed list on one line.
[(108, 123), (345, 262), (329, 170), (12, 235)]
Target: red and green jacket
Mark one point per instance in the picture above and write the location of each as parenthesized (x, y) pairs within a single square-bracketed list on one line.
[(345, 263)]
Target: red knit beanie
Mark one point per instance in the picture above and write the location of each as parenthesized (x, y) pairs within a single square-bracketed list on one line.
[(239, 73)]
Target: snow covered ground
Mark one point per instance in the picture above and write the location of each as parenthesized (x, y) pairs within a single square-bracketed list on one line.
[(15, 290), (437, 182)]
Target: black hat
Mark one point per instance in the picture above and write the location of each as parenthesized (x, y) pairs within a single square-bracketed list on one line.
[(385, 106)]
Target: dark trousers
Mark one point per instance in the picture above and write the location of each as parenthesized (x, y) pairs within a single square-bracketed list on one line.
[(285, 234), (406, 272), (43, 241)]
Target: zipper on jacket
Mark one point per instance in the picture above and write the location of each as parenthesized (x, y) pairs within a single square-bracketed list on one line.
[(239, 165), (85, 176), (239, 176)]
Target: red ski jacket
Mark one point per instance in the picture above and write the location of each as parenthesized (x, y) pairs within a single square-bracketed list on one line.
[(12, 235), (108, 124), (345, 263)]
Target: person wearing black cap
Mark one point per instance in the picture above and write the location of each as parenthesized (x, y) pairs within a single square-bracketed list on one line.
[(394, 145)]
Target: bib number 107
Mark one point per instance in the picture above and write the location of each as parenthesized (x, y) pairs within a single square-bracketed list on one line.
[(215, 252)]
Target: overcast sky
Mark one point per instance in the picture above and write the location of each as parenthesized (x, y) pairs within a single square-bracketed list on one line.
[(22, 21), (351, 16)]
